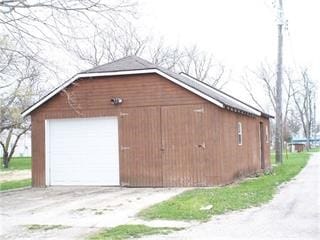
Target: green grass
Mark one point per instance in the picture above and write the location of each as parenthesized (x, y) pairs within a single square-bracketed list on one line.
[(130, 231), (17, 163), (8, 185), (316, 149), (251, 192), (43, 227)]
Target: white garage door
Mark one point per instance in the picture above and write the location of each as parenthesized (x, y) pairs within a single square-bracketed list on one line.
[(82, 151)]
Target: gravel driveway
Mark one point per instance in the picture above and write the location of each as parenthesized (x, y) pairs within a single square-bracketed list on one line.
[(79, 210), (294, 213)]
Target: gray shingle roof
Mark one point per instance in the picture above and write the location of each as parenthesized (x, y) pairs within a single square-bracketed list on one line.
[(123, 64), (135, 63)]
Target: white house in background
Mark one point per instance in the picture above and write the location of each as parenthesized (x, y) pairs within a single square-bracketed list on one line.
[(23, 148)]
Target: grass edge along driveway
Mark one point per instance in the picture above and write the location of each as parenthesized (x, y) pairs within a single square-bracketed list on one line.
[(16, 164), (131, 231), (248, 193), (15, 184)]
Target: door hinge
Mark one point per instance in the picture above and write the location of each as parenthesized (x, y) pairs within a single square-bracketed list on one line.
[(200, 110), (124, 148)]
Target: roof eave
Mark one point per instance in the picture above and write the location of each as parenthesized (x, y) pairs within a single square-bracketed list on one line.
[(253, 111)]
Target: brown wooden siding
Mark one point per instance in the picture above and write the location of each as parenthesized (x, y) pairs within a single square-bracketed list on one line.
[(183, 145), (38, 152), (161, 127)]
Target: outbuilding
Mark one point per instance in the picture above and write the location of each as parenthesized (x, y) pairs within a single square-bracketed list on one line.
[(132, 123), (297, 147)]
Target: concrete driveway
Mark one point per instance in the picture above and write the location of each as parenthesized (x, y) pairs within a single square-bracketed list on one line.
[(294, 213), (79, 210)]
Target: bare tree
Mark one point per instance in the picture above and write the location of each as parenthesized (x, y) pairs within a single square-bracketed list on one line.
[(18, 84), (298, 101), (163, 55), (265, 76), (58, 21), (116, 43), (304, 98), (293, 122), (316, 131), (10, 141), (202, 66), (108, 45), (50, 25)]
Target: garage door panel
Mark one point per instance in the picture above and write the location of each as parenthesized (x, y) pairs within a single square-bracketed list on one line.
[(83, 151)]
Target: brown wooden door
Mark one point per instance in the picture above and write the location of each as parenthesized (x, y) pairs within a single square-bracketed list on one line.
[(183, 145), (140, 160)]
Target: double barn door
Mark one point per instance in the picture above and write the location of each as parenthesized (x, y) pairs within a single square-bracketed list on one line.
[(162, 146)]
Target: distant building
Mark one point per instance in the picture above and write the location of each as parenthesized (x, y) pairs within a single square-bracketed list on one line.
[(296, 147), (314, 141)]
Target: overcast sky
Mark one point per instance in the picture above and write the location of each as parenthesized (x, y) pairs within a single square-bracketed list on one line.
[(240, 34)]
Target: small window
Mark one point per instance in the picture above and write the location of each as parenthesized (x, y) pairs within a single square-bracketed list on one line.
[(239, 133), (267, 134)]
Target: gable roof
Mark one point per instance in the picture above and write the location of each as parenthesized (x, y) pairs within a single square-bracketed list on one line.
[(124, 64), (134, 65)]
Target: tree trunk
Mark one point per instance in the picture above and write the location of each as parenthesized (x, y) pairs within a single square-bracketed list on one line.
[(308, 139), (5, 159)]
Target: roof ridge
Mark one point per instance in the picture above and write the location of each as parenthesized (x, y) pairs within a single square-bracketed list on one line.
[(112, 61), (143, 61)]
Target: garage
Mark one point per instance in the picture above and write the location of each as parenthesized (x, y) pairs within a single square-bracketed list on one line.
[(82, 151), (131, 123)]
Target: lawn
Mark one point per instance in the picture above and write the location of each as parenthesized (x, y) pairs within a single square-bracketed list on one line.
[(316, 149), (130, 231), (15, 184), (249, 193), (18, 163)]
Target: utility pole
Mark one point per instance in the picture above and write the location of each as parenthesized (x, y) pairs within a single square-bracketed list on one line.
[(314, 118), (278, 137)]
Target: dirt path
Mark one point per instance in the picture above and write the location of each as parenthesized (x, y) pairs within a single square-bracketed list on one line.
[(294, 213), (14, 175)]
